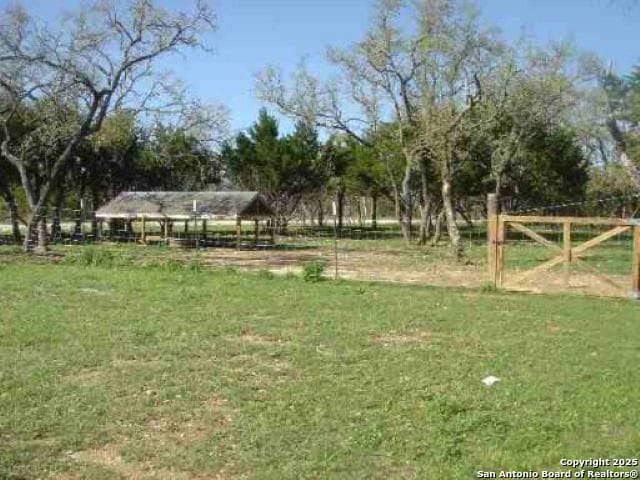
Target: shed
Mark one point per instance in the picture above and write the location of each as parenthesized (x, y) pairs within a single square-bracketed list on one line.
[(168, 207)]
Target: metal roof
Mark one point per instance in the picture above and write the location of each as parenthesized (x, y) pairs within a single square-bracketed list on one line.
[(180, 205)]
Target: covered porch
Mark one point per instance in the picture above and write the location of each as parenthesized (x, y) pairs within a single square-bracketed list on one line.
[(188, 219)]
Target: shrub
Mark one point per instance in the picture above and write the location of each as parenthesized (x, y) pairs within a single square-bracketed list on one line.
[(313, 271), (97, 257), (265, 273), (172, 265), (194, 265), (488, 287)]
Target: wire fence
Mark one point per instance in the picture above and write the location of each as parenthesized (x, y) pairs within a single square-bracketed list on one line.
[(359, 249)]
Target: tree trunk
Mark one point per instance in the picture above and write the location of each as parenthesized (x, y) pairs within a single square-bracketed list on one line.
[(13, 219), (29, 237), (425, 201), (425, 222), (36, 237), (438, 230), (56, 227), (374, 212), (452, 226), (42, 234), (320, 213), (340, 201), (281, 225), (397, 204), (77, 230), (621, 151), (94, 221), (12, 206), (464, 216), (405, 198)]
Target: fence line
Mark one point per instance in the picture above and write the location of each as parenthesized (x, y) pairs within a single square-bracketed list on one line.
[(566, 253)]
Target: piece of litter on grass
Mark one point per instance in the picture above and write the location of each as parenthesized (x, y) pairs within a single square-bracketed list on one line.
[(490, 380)]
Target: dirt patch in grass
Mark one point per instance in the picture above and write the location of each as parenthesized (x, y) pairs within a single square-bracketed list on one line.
[(260, 339), (109, 458), (558, 329), (247, 336), (382, 266), (578, 283), (410, 266), (394, 338), (388, 266), (159, 434), (136, 363), (86, 377), (93, 376), (274, 260), (430, 266), (164, 431)]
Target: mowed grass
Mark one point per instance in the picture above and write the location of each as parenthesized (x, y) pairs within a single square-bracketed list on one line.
[(113, 373)]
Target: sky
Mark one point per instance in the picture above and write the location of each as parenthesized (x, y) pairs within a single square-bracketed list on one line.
[(252, 34)]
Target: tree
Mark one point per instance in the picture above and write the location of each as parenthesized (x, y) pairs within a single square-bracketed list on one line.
[(623, 118), (173, 159), (552, 169), (282, 169), (390, 77), (365, 176), (116, 150), (9, 179), (528, 94), (100, 59)]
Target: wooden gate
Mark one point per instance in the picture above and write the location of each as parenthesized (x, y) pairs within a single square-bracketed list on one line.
[(566, 253)]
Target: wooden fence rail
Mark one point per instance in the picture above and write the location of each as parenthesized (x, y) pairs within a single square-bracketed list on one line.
[(566, 254)]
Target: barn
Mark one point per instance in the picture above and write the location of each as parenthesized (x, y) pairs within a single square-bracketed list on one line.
[(188, 208)]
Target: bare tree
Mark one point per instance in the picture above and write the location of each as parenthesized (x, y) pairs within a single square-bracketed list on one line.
[(101, 58), (386, 80), (533, 88), (377, 75), (459, 55)]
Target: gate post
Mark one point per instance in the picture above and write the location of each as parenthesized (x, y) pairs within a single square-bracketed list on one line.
[(635, 286), (501, 227)]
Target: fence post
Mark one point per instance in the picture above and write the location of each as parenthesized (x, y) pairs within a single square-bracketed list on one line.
[(501, 226), (257, 230), (566, 244), (238, 231), (635, 287), (143, 234), (492, 237)]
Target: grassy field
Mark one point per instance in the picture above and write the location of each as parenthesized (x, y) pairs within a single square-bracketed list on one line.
[(156, 373)]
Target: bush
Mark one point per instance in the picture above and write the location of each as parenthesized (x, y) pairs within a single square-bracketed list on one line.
[(97, 257), (265, 273), (194, 265), (313, 271), (488, 287), (172, 265)]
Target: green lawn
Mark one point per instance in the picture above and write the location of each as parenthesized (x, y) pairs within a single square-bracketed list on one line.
[(170, 373)]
